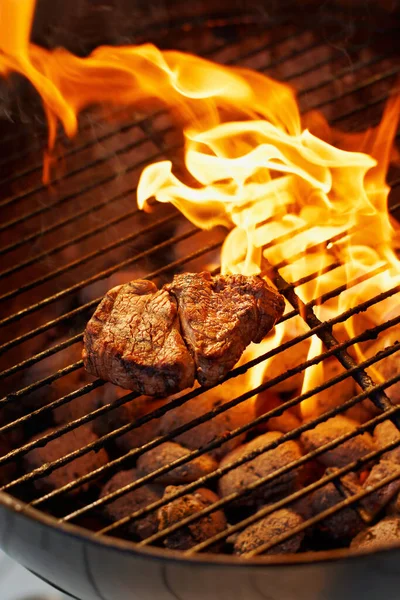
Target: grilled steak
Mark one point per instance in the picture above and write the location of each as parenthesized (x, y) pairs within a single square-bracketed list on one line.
[(220, 316), (134, 340), (155, 341)]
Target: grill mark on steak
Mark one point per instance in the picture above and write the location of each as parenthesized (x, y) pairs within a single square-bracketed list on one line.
[(155, 341), (221, 316)]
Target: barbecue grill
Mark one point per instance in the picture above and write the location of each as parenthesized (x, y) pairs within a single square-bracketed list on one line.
[(61, 242)]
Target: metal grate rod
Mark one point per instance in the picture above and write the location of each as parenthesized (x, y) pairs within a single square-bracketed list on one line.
[(319, 300), (173, 404), (306, 491), (90, 256), (101, 275), (325, 334), (218, 442), (93, 303), (129, 147), (361, 86), (225, 469), (223, 502), (89, 187)]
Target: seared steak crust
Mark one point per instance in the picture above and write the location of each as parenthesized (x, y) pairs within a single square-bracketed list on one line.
[(220, 316), (134, 340), (156, 341)]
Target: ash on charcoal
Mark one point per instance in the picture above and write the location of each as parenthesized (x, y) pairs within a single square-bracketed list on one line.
[(384, 534), (213, 428), (343, 525), (376, 501), (349, 451), (167, 453), (265, 464), (386, 433), (130, 412), (59, 447), (131, 502), (268, 529), (190, 504)]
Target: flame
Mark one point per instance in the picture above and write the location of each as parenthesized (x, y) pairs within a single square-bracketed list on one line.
[(293, 192)]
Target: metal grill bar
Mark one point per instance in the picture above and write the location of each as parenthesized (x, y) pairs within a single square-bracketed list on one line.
[(178, 401), (46, 326), (380, 399), (224, 502), (215, 444), (122, 129), (94, 303), (66, 221), (102, 275), (317, 301), (268, 46), (101, 160), (342, 73), (376, 102), (37, 166), (41, 356), (79, 238), (90, 187), (306, 491), (38, 146), (392, 72), (292, 55), (38, 384), (90, 256)]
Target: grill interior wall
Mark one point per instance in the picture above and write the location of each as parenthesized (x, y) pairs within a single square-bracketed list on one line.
[(63, 246)]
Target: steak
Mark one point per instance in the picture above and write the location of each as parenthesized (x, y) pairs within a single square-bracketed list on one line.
[(156, 341), (220, 316), (134, 340)]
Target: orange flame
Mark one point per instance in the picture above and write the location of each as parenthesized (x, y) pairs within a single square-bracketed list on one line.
[(284, 187)]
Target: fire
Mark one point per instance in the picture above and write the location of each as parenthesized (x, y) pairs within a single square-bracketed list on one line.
[(284, 186)]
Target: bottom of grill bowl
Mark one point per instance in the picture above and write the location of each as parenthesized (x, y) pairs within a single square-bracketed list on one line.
[(92, 568)]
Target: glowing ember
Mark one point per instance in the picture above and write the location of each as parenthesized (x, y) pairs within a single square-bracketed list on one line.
[(256, 167)]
